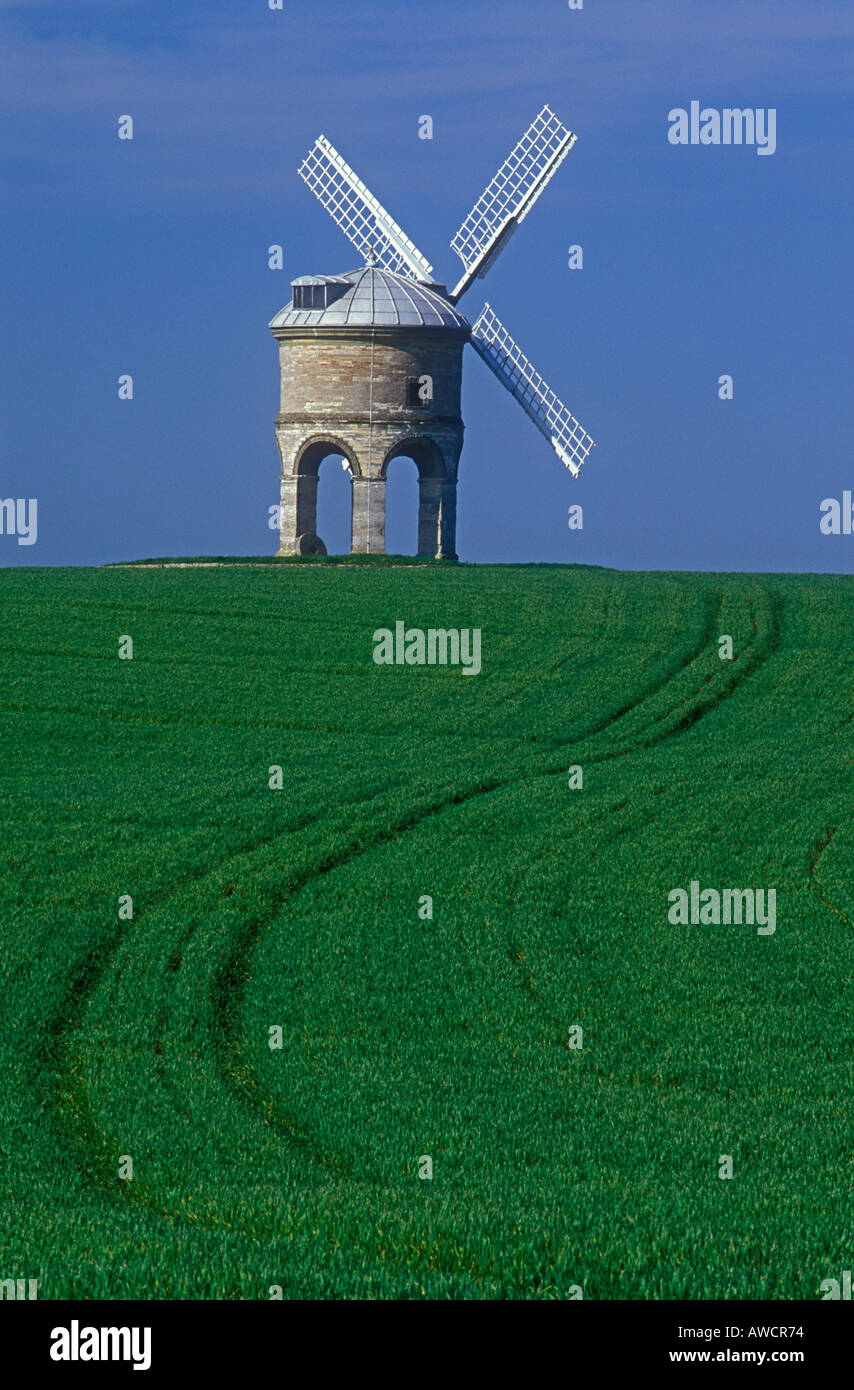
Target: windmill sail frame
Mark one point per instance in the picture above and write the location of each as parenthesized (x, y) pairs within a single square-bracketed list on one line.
[(503, 205), (361, 216), (510, 195), (505, 358)]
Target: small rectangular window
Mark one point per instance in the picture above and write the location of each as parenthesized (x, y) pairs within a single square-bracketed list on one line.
[(309, 296), (415, 394)]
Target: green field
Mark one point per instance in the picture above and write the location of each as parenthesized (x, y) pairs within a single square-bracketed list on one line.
[(299, 1167)]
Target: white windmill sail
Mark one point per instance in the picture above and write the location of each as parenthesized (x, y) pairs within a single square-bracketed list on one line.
[(373, 232), (508, 199), (570, 441)]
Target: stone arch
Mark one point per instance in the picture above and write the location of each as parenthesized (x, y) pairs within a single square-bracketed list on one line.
[(402, 496), (425, 452), (299, 492), (313, 451), (437, 492)]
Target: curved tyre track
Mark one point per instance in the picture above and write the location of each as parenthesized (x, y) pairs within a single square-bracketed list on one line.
[(230, 985), (817, 853), (230, 981), (235, 1063)]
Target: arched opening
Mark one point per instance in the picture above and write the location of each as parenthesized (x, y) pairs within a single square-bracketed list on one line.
[(401, 506), (323, 505), (335, 505), (429, 495)]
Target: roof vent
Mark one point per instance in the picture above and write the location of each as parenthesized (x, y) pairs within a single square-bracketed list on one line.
[(317, 291)]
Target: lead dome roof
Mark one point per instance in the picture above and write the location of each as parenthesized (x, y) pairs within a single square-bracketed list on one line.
[(376, 298)]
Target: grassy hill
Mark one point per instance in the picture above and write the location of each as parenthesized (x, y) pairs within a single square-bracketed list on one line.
[(404, 1037)]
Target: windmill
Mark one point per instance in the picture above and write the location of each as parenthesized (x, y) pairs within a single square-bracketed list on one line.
[(348, 341)]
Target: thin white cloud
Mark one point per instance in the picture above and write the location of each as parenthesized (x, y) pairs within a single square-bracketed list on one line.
[(467, 54), (268, 85)]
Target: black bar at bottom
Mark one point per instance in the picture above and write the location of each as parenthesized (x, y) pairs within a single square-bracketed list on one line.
[(410, 1342)]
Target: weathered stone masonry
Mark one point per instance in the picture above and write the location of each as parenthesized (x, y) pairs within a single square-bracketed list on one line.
[(351, 390)]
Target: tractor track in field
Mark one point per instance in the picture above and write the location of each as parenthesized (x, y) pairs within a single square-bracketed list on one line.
[(93, 970), (230, 980), (240, 725), (230, 986), (766, 644), (740, 670), (125, 716), (816, 855), (229, 999), (96, 965)]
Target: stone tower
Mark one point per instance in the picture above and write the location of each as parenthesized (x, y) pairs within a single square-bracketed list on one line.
[(371, 369)]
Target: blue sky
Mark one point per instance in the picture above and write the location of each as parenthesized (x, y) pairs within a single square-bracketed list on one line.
[(150, 257)]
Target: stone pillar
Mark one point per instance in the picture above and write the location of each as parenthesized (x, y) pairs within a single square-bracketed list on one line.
[(368, 516), (306, 510), (299, 511), (287, 515), (446, 548), (429, 500)]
